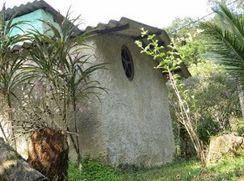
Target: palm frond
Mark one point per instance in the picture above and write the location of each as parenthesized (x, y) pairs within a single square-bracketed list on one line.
[(231, 20), (225, 41)]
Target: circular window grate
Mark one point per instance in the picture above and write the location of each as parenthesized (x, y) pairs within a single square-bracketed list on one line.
[(127, 62)]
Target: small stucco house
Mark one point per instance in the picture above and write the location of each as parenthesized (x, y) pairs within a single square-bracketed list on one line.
[(131, 123)]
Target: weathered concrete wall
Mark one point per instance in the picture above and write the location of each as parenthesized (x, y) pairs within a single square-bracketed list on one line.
[(132, 123)]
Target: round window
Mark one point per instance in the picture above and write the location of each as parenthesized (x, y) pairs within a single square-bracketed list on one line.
[(127, 62)]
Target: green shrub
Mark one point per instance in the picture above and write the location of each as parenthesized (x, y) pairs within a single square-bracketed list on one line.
[(206, 128)]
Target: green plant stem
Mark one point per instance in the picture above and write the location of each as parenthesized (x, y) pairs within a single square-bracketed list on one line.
[(73, 140), (186, 121)]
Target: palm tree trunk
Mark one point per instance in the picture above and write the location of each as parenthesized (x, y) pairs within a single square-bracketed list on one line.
[(48, 153), (75, 141), (11, 120), (76, 128)]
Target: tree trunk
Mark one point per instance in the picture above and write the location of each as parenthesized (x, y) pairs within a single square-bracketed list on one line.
[(48, 153), (241, 99), (13, 167)]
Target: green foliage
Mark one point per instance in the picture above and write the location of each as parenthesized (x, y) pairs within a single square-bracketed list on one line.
[(181, 27), (11, 64), (212, 97), (215, 93), (61, 61), (92, 171), (224, 39), (166, 56), (192, 51), (61, 68), (210, 92), (206, 128), (169, 61), (185, 34), (54, 75)]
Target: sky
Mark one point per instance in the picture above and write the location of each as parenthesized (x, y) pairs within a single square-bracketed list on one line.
[(158, 13)]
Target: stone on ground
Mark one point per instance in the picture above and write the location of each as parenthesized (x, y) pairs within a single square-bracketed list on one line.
[(224, 147), (14, 167)]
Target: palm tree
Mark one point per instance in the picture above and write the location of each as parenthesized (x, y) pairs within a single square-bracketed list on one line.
[(225, 41), (59, 59)]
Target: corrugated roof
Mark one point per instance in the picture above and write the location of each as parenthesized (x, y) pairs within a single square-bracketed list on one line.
[(123, 27), (30, 7), (33, 6)]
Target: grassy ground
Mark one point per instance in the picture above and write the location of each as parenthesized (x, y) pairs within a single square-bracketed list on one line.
[(231, 170)]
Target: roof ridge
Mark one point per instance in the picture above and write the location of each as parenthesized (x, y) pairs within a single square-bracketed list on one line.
[(11, 11)]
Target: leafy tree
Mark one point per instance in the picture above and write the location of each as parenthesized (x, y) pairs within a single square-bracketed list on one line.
[(186, 36), (211, 93), (215, 94), (179, 28), (212, 97)]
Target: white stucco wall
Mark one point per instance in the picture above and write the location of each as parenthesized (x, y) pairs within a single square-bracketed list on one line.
[(132, 123)]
